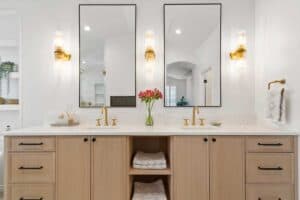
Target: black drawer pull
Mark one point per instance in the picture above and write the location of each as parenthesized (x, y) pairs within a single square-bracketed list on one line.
[(270, 144), (261, 198), (22, 198), (31, 168), (270, 168), (30, 144)]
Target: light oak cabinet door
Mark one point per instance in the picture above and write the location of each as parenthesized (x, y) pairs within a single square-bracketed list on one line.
[(191, 168), (109, 168), (227, 168), (73, 168)]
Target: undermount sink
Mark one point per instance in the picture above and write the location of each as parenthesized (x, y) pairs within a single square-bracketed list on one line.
[(199, 127), (102, 127)]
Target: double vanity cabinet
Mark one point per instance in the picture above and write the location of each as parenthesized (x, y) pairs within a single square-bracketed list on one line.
[(199, 167)]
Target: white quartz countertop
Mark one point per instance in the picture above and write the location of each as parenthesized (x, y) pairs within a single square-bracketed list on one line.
[(137, 130)]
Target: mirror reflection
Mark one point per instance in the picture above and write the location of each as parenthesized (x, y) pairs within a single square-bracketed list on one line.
[(107, 55), (192, 55)]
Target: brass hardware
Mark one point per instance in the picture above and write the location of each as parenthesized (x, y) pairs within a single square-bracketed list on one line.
[(186, 122), (61, 55), (98, 122), (239, 53), (282, 81), (202, 121), (105, 113), (150, 54), (114, 122), (195, 112)]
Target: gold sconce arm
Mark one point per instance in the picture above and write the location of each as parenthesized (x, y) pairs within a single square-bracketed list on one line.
[(60, 54), (282, 81), (239, 53)]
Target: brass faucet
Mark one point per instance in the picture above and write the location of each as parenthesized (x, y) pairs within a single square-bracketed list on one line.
[(195, 112), (105, 113)]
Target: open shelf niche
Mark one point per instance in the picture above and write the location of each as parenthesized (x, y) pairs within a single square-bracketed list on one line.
[(150, 144)]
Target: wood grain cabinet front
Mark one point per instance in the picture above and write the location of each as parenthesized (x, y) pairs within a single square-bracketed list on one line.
[(270, 168), (209, 168), (270, 144), (92, 168), (31, 144), (199, 167), (191, 167), (31, 167), (73, 168), (270, 192), (227, 168), (32, 192)]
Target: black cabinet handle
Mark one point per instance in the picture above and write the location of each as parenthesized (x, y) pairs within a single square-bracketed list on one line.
[(205, 139), (85, 139), (261, 198), (31, 168), (270, 168), (94, 139), (214, 140), (22, 198), (269, 144), (30, 144)]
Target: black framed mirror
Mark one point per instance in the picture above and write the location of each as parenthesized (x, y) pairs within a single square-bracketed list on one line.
[(107, 60), (192, 55)]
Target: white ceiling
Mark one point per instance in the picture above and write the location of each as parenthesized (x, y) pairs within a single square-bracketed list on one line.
[(195, 21)]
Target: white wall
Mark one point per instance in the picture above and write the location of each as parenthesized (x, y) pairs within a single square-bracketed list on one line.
[(277, 52), (44, 91)]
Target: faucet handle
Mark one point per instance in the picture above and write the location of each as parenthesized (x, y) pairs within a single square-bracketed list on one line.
[(202, 120), (186, 122), (114, 122), (98, 122)]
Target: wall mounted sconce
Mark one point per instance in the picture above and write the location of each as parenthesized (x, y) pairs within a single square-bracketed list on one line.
[(240, 52), (149, 45), (59, 53)]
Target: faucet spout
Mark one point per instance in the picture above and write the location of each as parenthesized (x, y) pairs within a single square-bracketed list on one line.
[(105, 113), (196, 111)]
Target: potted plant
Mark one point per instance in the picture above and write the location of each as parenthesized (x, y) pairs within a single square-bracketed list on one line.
[(6, 68)]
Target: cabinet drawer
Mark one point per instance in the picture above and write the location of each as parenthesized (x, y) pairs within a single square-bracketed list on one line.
[(31, 144), (270, 168), (31, 167), (270, 144), (270, 192), (31, 192)]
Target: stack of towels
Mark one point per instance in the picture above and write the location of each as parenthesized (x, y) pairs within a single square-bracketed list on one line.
[(143, 160), (149, 191)]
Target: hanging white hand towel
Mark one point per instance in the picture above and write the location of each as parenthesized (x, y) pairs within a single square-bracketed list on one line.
[(276, 108)]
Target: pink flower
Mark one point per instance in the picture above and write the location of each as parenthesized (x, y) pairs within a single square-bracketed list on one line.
[(150, 95)]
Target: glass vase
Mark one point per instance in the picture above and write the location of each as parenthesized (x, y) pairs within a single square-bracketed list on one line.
[(149, 118)]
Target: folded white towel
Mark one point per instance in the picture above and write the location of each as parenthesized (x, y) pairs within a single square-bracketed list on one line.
[(276, 108), (147, 166), (149, 191), (150, 160)]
